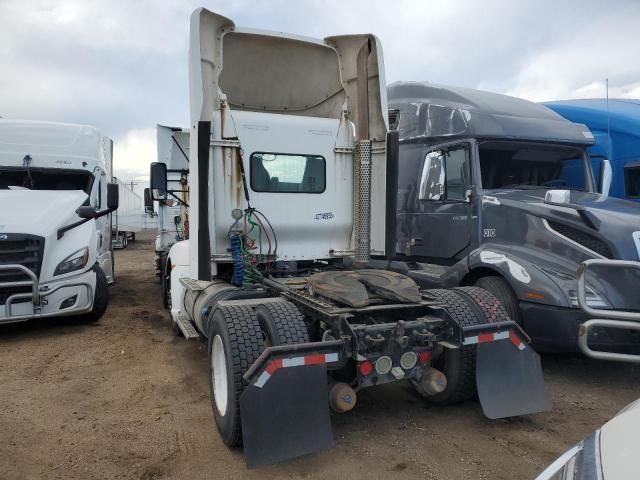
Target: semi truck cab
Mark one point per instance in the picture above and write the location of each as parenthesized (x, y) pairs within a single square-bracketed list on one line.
[(615, 125), (289, 161), (499, 192), (55, 234)]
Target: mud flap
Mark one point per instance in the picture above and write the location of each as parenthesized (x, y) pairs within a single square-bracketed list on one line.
[(509, 380), (286, 415)]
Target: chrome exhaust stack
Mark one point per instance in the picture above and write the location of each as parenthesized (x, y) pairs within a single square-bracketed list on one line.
[(362, 162)]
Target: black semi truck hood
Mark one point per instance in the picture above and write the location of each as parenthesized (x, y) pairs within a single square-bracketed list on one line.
[(587, 218)]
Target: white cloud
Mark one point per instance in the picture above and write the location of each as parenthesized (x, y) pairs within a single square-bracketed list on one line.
[(122, 66), (132, 155)]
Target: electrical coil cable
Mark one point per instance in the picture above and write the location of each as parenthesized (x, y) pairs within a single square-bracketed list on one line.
[(248, 238), (238, 260)]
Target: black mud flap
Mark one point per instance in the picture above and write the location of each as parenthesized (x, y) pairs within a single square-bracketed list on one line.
[(509, 380), (286, 415)]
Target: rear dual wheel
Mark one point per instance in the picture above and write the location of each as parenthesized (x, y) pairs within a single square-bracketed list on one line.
[(235, 342), (467, 306), (503, 292), (237, 337)]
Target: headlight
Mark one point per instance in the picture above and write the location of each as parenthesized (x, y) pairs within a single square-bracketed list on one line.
[(593, 299), (565, 280), (581, 461), (76, 261), (564, 466)]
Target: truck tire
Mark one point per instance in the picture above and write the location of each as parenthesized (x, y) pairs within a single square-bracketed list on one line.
[(281, 324), (234, 343), (467, 306), (503, 292), (100, 297), (165, 279)]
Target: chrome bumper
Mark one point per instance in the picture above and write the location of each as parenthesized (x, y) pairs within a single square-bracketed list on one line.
[(604, 318), (38, 296)]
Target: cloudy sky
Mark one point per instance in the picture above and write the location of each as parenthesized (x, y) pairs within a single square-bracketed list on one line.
[(121, 65)]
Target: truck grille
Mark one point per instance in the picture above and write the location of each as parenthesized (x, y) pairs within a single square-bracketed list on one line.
[(585, 239), (23, 250)]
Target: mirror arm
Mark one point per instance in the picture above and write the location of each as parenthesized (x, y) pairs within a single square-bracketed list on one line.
[(179, 200), (61, 231), (104, 212)]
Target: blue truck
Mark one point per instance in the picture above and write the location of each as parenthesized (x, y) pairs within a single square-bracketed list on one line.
[(616, 130)]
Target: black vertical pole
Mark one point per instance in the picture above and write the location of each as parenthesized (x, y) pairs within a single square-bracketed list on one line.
[(393, 152), (204, 247)]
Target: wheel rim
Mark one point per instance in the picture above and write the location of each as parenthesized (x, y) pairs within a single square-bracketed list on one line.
[(219, 375)]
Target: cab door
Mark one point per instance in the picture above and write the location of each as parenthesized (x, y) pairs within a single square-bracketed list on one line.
[(443, 219), (103, 226)]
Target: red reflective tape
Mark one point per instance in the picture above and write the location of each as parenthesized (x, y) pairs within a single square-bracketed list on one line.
[(273, 366), (485, 337), (317, 359), (515, 339)]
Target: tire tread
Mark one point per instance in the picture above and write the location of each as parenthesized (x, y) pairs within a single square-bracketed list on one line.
[(245, 347)]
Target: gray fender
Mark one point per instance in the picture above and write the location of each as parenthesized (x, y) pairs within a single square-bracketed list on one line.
[(520, 268)]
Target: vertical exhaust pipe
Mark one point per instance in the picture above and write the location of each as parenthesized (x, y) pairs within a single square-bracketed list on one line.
[(204, 247), (362, 161)]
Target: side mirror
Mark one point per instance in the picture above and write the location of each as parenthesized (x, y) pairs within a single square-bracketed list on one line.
[(606, 176), (148, 201), (394, 118), (158, 181), (557, 197), (433, 177), (468, 195), (86, 212), (113, 196)]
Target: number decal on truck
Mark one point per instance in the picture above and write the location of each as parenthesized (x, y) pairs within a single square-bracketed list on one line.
[(324, 216)]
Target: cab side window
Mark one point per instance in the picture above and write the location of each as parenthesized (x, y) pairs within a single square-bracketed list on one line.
[(446, 175), (632, 180), (99, 191)]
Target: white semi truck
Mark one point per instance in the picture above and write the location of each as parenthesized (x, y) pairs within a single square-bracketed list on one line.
[(172, 144), (129, 219), (55, 222), (291, 180)]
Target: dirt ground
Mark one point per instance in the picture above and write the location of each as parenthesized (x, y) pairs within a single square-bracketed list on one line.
[(125, 398)]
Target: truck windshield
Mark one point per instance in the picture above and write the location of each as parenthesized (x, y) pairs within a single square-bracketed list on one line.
[(534, 166), (45, 179)]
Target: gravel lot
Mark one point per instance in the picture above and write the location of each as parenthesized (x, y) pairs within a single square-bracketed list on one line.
[(124, 398)]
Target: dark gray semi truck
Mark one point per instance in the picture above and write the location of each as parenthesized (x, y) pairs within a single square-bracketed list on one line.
[(499, 192)]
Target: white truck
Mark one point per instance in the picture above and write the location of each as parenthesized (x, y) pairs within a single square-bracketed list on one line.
[(173, 212), (290, 179), (55, 222), (129, 218)]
